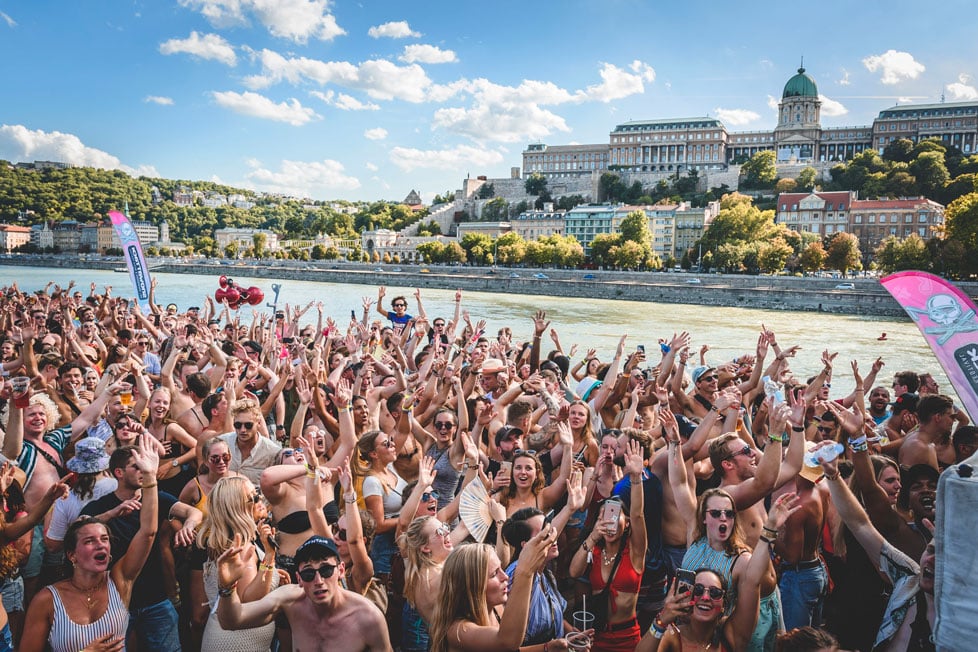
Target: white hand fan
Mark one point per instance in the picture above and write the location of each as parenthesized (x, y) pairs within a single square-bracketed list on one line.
[(474, 509)]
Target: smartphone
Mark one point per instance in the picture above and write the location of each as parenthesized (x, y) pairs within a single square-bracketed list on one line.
[(505, 469), (610, 513), (685, 579), (640, 348)]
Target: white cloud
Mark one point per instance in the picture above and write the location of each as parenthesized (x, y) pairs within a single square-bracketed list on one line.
[(7, 19), (379, 78), (736, 117), (505, 113), (18, 143), (961, 90), (895, 66), (378, 133), (398, 29), (302, 178), (344, 101), (206, 46), (259, 106), (844, 81), (831, 107), (427, 54), (296, 20), (458, 158), (159, 99), (772, 102), (617, 83), (371, 167)]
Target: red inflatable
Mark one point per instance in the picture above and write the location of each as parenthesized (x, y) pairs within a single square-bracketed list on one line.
[(235, 296)]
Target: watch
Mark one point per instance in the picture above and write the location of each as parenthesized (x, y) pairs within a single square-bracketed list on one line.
[(176, 463)]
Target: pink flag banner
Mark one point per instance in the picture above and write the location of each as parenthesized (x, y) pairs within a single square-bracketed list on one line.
[(132, 251), (947, 319)]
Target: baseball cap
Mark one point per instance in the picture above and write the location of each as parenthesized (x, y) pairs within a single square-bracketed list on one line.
[(316, 547), (699, 371), (507, 431)]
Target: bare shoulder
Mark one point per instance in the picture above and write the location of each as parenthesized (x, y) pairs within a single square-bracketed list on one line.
[(363, 610)]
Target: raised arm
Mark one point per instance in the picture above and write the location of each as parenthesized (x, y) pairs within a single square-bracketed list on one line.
[(851, 511), (147, 459), (685, 499)]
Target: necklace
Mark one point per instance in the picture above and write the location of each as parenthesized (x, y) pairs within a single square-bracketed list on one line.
[(90, 597), (692, 642), (605, 559)]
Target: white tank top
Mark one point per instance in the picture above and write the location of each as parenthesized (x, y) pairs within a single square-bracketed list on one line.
[(68, 636)]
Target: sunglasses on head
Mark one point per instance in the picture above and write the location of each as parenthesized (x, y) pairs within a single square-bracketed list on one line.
[(746, 451), (325, 571), (226, 457), (714, 592), (717, 513), (247, 425), (444, 425), (429, 495), (528, 452)]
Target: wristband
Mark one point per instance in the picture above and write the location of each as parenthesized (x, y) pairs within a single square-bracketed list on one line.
[(767, 530), (349, 498), (859, 445), (798, 428), (147, 486), (226, 591), (776, 438), (348, 408), (767, 540)]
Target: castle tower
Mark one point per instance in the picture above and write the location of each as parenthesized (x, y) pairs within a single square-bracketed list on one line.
[(799, 119)]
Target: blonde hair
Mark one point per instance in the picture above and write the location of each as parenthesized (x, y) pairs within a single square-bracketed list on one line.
[(416, 560), (361, 464), (229, 512), (247, 405), (50, 408), (463, 592)]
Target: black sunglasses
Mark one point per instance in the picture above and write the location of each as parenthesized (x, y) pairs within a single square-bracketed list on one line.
[(325, 571), (746, 451), (714, 592), (444, 425), (706, 379), (717, 513), (399, 305), (248, 425), (340, 534)]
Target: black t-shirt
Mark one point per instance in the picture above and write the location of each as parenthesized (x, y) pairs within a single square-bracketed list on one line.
[(149, 588)]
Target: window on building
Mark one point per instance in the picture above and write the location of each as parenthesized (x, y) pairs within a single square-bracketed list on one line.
[(894, 218), (923, 218), (859, 219), (872, 219)]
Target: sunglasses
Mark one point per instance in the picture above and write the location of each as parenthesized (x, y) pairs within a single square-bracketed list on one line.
[(529, 453), (707, 379), (390, 443), (325, 571), (437, 325), (714, 592), (717, 513), (340, 534), (226, 457), (247, 425), (746, 451), (444, 425), (429, 495), (256, 497), (399, 305), (443, 530), (289, 452), (825, 429)]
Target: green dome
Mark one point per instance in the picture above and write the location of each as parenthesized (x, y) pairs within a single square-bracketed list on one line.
[(801, 85)]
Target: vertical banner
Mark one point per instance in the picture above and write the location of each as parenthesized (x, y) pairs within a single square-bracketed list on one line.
[(132, 251), (947, 319)]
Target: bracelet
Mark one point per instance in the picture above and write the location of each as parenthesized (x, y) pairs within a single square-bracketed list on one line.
[(349, 498), (269, 566), (767, 540), (147, 486), (226, 592), (859, 445), (311, 474), (776, 438), (658, 628), (798, 428), (348, 408), (584, 546), (770, 531), (831, 477)]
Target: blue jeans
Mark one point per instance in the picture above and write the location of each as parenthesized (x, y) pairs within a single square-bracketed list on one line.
[(156, 627), (802, 596), (382, 552)]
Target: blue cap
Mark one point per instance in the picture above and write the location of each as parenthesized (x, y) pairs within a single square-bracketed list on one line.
[(316, 547)]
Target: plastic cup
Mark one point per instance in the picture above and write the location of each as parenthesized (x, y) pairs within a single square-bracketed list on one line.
[(578, 641), (126, 398), (582, 620), (19, 385)]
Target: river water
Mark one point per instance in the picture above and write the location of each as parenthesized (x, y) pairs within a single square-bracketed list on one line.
[(590, 323)]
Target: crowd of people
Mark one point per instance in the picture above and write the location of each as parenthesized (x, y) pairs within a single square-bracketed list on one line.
[(215, 479)]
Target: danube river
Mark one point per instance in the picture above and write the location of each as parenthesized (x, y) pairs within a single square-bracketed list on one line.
[(590, 323)]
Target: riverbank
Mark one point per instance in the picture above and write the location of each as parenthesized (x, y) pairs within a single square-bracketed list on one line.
[(868, 298)]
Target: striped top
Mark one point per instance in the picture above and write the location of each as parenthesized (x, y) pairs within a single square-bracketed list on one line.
[(701, 555), (68, 636)]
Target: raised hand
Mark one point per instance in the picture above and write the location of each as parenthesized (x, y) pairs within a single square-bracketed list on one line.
[(634, 461), (565, 437), (426, 471), (785, 505), (540, 323), (231, 564), (670, 427), (534, 554), (575, 491)]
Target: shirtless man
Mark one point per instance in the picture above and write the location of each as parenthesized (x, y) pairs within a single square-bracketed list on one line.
[(322, 614), (931, 442), (749, 482), (879, 399), (803, 578)]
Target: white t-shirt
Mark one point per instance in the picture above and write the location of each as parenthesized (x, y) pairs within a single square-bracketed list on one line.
[(66, 510), (372, 486)]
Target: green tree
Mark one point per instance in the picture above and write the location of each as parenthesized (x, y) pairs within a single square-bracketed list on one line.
[(894, 255), (759, 171), (843, 252), (899, 150), (774, 256), (730, 257), (930, 171), (432, 252), (231, 250), (487, 191), (611, 188), (601, 247), (495, 210), (628, 255), (477, 246), (785, 185), (961, 227), (806, 178), (259, 242), (453, 253), (635, 228), (738, 221), (535, 184), (318, 252)]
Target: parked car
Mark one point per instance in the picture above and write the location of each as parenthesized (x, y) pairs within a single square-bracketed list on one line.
[(694, 281), (425, 270), (514, 275), (589, 277), (845, 286), (540, 275)]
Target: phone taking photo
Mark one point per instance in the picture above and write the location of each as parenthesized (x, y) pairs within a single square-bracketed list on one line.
[(610, 513), (685, 579)]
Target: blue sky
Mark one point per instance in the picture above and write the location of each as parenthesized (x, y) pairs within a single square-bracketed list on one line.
[(345, 100)]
